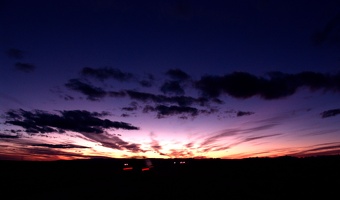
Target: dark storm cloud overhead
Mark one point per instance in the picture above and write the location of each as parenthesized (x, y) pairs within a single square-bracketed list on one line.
[(177, 75), (74, 120), (25, 67), (106, 73), (59, 146), (275, 85), (93, 93), (330, 113), (172, 87), (15, 53)]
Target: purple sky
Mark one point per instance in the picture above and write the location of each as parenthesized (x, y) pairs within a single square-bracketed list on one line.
[(166, 79)]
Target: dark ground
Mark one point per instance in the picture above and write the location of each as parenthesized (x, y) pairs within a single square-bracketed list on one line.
[(257, 178)]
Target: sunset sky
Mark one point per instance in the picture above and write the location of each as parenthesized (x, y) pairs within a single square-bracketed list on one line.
[(169, 79)]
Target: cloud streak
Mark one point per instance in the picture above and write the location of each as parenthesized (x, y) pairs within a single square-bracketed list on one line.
[(92, 93), (59, 146), (74, 120), (330, 113)]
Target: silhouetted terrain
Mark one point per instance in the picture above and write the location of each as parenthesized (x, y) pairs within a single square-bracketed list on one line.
[(255, 178)]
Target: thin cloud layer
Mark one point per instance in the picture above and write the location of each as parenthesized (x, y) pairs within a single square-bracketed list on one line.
[(330, 113), (74, 120)]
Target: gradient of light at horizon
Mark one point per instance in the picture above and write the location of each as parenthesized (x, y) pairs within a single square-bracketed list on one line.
[(169, 79)]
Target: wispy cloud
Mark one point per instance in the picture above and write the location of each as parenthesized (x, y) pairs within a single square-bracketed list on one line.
[(330, 113), (213, 142), (114, 142)]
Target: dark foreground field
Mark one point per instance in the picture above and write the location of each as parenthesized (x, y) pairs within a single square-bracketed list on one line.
[(279, 178)]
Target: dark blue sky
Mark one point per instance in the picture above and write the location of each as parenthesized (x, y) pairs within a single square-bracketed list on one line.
[(175, 78)]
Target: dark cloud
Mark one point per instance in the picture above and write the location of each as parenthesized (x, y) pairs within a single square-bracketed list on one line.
[(243, 113), (330, 113), (133, 106), (25, 67), (179, 100), (274, 86), (75, 120), (93, 93), (15, 53), (96, 93), (59, 146), (172, 87), (177, 75), (106, 73), (5, 136), (164, 111)]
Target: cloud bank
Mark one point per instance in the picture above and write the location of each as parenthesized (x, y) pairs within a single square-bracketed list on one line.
[(73, 120)]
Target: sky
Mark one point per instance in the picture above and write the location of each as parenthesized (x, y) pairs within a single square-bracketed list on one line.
[(169, 79)]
